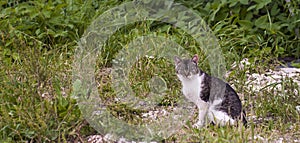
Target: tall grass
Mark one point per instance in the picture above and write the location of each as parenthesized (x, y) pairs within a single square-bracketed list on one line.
[(37, 44)]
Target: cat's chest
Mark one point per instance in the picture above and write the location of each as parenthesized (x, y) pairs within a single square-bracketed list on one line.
[(192, 88)]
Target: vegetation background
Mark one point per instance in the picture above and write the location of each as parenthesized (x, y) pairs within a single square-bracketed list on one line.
[(38, 40)]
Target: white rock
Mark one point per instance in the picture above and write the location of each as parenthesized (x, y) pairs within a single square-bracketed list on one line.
[(298, 108), (95, 139), (290, 70), (291, 75), (259, 137), (242, 64), (295, 91), (252, 117), (122, 140), (276, 76), (279, 140), (45, 94), (108, 137), (150, 57)]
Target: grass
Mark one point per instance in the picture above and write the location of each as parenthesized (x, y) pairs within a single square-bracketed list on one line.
[(37, 104)]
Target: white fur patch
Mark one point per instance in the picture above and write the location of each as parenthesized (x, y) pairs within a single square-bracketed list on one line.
[(191, 89), (219, 117)]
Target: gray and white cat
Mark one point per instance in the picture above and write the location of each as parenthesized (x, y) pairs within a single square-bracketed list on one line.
[(216, 100)]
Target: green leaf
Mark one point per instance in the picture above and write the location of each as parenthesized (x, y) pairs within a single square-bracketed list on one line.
[(274, 28), (251, 7), (233, 3), (297, 65), (34, 15), (47, 13), (61, 33), (261, 22), (263, 3), (280, 50), (218, 7), (222, 14), (245, 2), (38, 31), (62, 103), (236, 10), (16, 56), (50, 32), (8, 43), (249, 16), (275, 10), (246, 24)]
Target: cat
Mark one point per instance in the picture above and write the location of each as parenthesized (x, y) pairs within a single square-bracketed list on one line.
[(216, 100)]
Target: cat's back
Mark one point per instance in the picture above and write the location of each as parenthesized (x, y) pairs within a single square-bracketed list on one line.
[(222, 89)]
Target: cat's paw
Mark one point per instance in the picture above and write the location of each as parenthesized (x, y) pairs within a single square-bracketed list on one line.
[(199, 124)]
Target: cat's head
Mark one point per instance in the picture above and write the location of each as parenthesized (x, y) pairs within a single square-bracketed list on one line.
[(186, 68)]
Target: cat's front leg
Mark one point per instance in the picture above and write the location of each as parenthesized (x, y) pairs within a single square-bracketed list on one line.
[(202, 111)]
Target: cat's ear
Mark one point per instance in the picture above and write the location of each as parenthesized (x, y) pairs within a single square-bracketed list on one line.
[(177, 60), (195, 58)]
